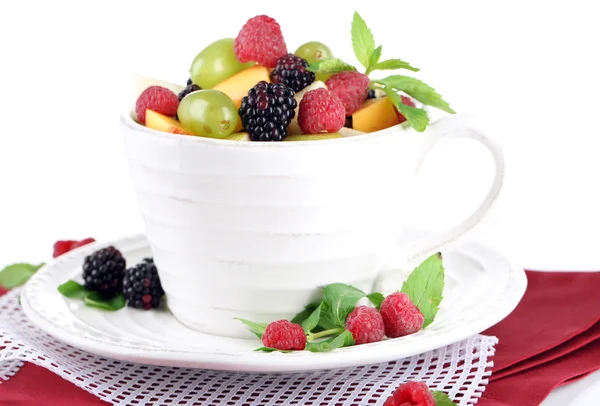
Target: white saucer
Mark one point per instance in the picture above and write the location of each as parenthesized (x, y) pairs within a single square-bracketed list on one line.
[(482, 287)]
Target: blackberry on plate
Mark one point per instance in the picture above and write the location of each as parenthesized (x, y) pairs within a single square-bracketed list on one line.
[(291, 71), (103, 271), (142, 287), (189, 89), (267, 111)]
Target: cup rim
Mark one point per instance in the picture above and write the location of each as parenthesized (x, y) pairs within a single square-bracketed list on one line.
[(128, 121)]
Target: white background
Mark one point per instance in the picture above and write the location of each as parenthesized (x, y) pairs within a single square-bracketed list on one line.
[(530, 68)]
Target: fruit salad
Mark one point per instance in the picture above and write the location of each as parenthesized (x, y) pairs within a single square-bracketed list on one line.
[(250, 88)]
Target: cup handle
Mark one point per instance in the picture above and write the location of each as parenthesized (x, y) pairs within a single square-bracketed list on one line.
[(446, 129)]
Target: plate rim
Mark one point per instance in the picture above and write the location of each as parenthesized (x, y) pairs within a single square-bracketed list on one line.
[(277, 362)]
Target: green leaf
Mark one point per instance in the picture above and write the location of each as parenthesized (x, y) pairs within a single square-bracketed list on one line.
[(305, 314), (338, 301), (17, 274), (362, 40), (313, 320), (258, 329), (417, 118), (376, 298), (417, 89), (331, 65), (269, 349), (375, 56), (95, 299), (425, 285), (441, 399), (73, 290), (392, 64), (345, 339)]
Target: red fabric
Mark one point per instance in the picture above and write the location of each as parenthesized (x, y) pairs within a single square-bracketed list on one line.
[(551, 339)]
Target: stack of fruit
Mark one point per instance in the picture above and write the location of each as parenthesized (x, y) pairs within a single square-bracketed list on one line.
[(251, 88)]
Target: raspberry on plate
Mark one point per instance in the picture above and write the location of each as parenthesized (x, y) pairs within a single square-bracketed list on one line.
[(64, 246), (291, 71), (260, 40), (103, 271), (407, 101), (411, 394), (284, 335), (366, 325), (351, 87), (267, 111), (158, 99), (400, 315), (141, 286), (320, 110)]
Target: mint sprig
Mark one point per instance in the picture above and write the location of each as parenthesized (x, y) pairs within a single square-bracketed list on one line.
[(417, 89), (330, 66), (324, 323), (393, 64), (425, 285), (442, 399), (16, 275), (74, 290), (417, 118), (363, 42)]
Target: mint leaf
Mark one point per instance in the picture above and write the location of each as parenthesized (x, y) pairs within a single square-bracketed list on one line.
[(375, 56), (392, 64), (417, 89), (258, 329), (338, 301), (376, 298), (417, 118), (425, 285), (362, 40), (441, 399), (331, 65), (345, 339), (73, 290), (95, 299), (305, 314), (313, 320), (17, 274), (269, 349)]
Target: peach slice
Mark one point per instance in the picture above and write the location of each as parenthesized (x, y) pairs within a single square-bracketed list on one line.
[(237, 86), (161, 122), (375, 115)]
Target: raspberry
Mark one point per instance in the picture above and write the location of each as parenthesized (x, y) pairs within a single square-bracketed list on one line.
[(352, 87), (284, 335), (267, 111), (400, 315), (189, 89), (142, 287), (409, 102), (260, 40), (291, 71), (411, 394), (64, 246), (320, 110), (103, 271), (156, 98), (366, 325)]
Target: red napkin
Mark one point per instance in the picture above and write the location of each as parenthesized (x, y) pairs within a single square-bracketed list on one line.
[(551, 339)]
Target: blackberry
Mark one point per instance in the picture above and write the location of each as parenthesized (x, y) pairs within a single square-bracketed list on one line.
[(291, 71), (189, 89), (142, 287), (267, 111), (189, 82), (103, 271), (371, 94)]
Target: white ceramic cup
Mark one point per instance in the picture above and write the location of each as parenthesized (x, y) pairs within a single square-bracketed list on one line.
[(252, 230)]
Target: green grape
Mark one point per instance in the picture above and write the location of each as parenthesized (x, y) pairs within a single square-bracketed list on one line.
[(216, 63), (315, 51), (208, 113)]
